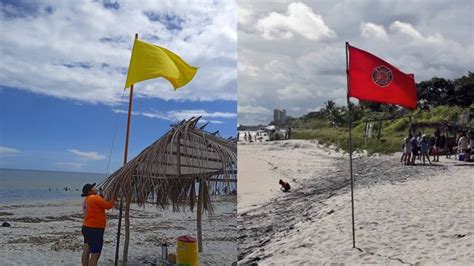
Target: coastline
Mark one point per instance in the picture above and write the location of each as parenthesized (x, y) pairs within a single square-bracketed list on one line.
[(259, 171)]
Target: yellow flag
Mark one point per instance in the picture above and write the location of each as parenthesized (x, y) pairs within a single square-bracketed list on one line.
[(150, 61)]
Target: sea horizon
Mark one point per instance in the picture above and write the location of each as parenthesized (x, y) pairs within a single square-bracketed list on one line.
[(58, 171), (27, 184)]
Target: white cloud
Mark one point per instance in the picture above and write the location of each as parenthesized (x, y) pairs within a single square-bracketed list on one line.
[(299, 19), (70, 165), (295, 92), (248, 69), (7, 151), (80, 50), (405, 28), (178, 115), (186, 114), (244, 15), (93, 155), (253, 110), (309, 110), (373, 31), (278, 69), (253, 114), (118, 111), (408, 30)]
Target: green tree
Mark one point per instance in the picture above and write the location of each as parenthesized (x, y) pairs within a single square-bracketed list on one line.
[(464, 90), (440, 91), (332, 113)]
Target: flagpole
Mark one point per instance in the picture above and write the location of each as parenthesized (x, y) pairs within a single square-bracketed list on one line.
[(125, 159), (350, 144)]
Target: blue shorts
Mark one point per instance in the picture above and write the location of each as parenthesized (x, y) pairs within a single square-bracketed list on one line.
[(94, 238)]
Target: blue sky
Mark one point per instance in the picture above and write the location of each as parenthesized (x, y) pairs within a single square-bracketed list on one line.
[(63, 68)]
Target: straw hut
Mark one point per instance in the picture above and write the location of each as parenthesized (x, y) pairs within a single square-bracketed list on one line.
[(168, 170)]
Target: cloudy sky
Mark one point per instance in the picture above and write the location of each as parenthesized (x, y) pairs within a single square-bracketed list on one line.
[(63, 68), (291, 54)]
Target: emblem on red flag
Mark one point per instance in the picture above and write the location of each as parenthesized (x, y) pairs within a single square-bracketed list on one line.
[(382, 76)]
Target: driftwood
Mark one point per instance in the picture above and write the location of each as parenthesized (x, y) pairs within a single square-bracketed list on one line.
[(166, 172)]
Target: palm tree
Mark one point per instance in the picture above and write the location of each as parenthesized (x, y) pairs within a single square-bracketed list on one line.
[(332, 112)]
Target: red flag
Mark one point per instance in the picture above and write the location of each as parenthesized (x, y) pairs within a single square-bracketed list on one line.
[(373, 79)]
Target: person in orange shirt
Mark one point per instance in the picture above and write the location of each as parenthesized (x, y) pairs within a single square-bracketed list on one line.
[(94, 207)]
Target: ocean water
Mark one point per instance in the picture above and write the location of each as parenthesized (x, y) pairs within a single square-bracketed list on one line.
[(26, 185)]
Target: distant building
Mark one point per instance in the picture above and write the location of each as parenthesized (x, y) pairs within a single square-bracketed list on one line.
[(279, 115)]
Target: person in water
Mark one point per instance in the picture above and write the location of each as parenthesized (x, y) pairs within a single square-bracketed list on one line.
[(93, 228), (285, 187)]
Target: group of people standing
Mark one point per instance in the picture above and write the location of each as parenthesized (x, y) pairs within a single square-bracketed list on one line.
[(262, 136), (466, 146), (420, 146), (248, 137)]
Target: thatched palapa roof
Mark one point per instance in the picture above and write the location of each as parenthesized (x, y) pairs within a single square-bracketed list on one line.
[(167, 170)]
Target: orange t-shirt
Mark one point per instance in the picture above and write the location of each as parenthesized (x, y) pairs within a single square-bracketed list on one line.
[(94, 207)]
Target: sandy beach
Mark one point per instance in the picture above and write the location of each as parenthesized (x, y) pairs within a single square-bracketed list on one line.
[(263, 164), (404, 214), (49, 233)]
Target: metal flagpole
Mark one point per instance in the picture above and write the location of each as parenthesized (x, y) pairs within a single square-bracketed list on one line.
[(350, 144), (125, 159)]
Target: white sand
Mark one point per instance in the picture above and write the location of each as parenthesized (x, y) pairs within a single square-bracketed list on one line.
[(49, 233), (425, 216), (262, 165), (420, 221)]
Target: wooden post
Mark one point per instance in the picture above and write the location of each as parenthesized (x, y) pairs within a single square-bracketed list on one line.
[(178, 154), (366, 135), (199, 212), (446, 135), (127, 205), (380, 130), (127, 229)]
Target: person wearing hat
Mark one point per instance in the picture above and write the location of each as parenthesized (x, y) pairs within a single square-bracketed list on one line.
[(93, 228)]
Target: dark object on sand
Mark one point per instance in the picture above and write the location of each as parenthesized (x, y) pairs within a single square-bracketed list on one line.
[(285, 187), (5, 224)]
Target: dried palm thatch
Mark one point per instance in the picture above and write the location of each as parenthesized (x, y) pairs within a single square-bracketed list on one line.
[(166, 171)]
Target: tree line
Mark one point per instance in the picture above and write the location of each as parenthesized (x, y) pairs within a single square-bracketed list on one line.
[(430, 94)]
